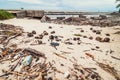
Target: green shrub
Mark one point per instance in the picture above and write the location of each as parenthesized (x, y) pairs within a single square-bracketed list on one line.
[(5, 15)]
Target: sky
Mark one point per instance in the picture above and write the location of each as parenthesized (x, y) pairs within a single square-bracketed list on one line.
[(61, 5)]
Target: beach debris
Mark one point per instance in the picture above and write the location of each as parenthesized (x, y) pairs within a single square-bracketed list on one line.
[(94, 31), (55, 38), (118, 32), (59, 55), (53, 32), (91, 28), (84, 36), (107, 34), (10, 38), (81, 73), (74, 39), (41, 36), (45, 18), (45, 33), (115, 58), (90, 55), (97, 47), (54, 44), (27, 60), (68, 42), (34, 52), (91, 38), (106, 39), (77, 35), (51, 37), (67, 74), (110, 70), (39, 77), (98, 32), (30, 35), (99, 39), (50, 27), (33, 32), (82, 31)]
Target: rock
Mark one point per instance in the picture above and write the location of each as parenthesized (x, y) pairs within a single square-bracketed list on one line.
[(45, 33), (41, 36), (74, 39), (73, 19), (97, 47), (30, 35), (78, 39), (91, 28), (82, 31), (81, 16), (45, 18), (50, 27), (51, 37), (56, 37), (60, 18), (107, 34), (53, 32), (39, 42), (99, 39), (106, 40), (50, 78), (94, 31), (33, 32), (98, 32), (91, 38), (102, 16), (37, 37), (84, 36)]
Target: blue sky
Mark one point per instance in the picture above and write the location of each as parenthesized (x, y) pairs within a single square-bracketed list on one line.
[(60, 5)]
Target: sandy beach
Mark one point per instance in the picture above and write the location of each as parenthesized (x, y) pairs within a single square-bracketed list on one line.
[(102, 52)]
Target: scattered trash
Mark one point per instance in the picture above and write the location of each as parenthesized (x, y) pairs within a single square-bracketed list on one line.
[(34, 52), (67, 74), (54, 44), (27, 60)]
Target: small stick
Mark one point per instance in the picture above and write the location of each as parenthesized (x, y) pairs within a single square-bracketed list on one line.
[(60, 56)]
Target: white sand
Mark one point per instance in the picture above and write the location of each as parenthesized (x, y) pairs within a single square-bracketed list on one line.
[(78, 50)]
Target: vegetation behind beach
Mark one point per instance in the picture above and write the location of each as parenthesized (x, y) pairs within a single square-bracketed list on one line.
[(5, 15)]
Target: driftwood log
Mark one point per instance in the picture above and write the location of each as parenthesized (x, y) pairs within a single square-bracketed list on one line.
[(34, 52)]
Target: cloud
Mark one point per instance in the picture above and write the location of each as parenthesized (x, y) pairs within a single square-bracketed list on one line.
[(83, 5), (28, 1)]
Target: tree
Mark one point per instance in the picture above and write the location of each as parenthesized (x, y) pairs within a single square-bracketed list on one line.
[(118, 5), (22, 8)]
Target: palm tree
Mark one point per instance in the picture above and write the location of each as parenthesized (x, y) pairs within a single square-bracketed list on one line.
[(118, 5)]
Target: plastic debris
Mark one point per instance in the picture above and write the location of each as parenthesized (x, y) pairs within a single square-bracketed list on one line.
[(27, 60)]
